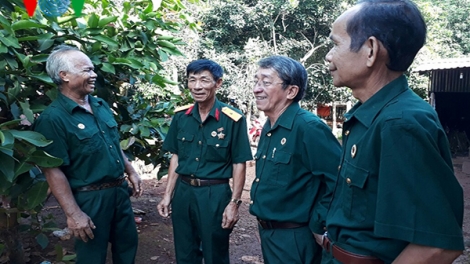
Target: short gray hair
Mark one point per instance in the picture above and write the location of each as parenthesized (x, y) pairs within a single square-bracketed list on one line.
[(58, 61)]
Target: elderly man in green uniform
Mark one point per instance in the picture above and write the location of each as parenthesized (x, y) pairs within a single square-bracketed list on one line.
[(396, 199), (296, 166), (209, 145), (90, 185)]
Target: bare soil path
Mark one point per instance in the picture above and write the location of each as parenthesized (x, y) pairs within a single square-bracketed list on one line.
[(155, 232)]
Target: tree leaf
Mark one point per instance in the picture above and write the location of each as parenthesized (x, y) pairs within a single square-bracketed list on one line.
[(42, 240), (10, 42), (7, 166), (7, 138), (43, 77), (108, 67), (27, 111), (105, 21), (108, 41), (22, 168), (93, 21), (32, 137), (44, 159), (26, 24), (36, 194), (45, 44)]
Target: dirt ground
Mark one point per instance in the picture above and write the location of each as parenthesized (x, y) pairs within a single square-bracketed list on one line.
[(155, 232)]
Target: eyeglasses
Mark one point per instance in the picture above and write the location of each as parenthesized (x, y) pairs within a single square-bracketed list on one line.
[(264, 84)]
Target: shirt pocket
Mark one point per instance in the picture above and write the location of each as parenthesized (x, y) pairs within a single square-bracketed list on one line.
[(217, 150), (89, 140), (112, 127), (281, 171), (355, 197), (184, 144)]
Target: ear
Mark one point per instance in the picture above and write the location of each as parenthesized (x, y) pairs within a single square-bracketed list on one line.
[(218, 83), (292, 91), (373, 47), (64, 76)]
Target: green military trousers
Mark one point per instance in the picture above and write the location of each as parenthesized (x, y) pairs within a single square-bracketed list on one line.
[(197, 223), (295, 245), (111, 212)]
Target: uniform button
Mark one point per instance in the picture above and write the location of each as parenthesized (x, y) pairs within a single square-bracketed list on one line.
[(251, 202), (269, 134), (348, 180), (192, 175), (200, 125), (217, 145), (346, 132), (110, 146), (257, 180), (200, 142), (339, 167), (264, 156), (117, 161), (197, 159), (183, 139), (102, 132)]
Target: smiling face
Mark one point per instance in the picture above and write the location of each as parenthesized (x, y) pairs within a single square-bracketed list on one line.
[(203, 86), (269, 95), (80, 79), (346, 67)]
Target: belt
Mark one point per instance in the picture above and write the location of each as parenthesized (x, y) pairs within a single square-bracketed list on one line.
[(278, 225), (202, 182), (101, 186), (346, 257)]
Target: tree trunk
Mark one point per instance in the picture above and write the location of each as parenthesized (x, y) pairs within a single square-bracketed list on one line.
[(10, 237)]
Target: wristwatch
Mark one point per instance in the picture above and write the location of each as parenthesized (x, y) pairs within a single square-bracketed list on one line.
[(236, 201)]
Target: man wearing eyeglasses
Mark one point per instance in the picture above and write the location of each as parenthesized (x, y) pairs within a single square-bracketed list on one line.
[(209, 145), (296, 166)]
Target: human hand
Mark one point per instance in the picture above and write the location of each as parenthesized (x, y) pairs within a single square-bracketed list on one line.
[(230, 216), (163, 207), (80, 225), (136, 182)]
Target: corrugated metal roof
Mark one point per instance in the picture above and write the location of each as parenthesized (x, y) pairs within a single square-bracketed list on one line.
[(443, 64)]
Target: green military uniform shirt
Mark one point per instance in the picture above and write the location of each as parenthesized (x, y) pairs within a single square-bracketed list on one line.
[(208, 149), (396, 183), (296, 166), (87, 143)]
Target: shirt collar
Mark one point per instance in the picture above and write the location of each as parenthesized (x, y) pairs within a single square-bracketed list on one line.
[(214, 112), (71, 105), (367, 112), (286, 119)]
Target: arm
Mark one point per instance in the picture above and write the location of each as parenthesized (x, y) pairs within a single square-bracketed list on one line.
[(164, 206), (230, 216), (78, 222), (134, 177), (418, 254)]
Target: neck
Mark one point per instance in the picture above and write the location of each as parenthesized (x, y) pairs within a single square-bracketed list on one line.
[(204, 109), (79, 99), (275, 116), (374, 84)]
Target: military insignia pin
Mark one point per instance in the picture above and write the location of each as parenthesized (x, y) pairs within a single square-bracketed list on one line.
[(283, 141), (213, 133), (221, 135), (81, 126)]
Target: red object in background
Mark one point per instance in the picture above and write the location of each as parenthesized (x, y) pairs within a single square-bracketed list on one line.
[(323, 111), (30, 6), (255, 131)]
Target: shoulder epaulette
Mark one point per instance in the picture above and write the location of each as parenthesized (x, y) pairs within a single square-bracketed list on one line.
[(231, 113), (182, 108)]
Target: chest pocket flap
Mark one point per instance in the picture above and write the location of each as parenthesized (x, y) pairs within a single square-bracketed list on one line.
[(354, 176), (185, 137)]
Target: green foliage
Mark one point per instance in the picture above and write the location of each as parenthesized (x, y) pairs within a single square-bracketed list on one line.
[(127, 44)]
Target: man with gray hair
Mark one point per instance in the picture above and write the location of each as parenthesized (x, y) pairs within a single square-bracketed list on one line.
[(90, 185), (296, 165)]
